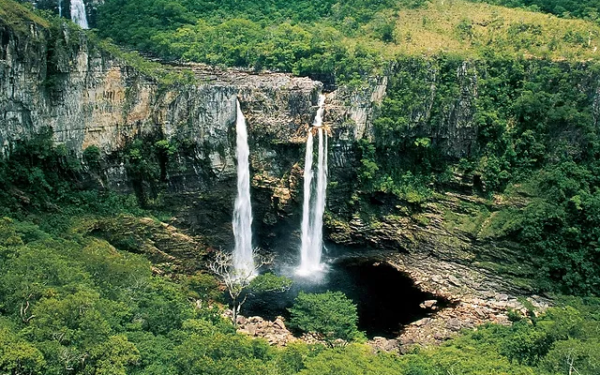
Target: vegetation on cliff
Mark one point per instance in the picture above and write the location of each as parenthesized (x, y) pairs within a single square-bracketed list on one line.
[(18, 17), (537, 137), (338, 40)]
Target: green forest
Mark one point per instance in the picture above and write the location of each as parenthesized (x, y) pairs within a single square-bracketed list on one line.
[(339, 41), (549, 152), (82, 292), (72, 303)]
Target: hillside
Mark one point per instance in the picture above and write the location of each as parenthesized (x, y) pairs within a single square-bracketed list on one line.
[(467, 29), (18, 17), (330, 39)]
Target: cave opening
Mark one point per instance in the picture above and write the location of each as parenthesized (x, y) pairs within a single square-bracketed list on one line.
[(386, 298)]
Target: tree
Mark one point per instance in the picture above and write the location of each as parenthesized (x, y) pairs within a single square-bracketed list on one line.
[(330, 315), (16, 356), (353, 360), (241, 285)]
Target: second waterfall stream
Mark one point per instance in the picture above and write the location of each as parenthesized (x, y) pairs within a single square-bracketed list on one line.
[(314, 198)]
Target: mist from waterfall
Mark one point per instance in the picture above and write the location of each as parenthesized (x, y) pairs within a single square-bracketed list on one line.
[(314, 201), (78, 14), (243, 261)]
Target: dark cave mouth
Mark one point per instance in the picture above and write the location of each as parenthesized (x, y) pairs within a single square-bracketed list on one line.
[(386, 299)]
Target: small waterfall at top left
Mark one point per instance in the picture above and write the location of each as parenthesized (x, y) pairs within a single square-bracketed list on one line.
[(243, 260), (78, 14)]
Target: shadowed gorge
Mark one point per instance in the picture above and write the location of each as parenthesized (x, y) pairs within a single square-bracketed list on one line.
[(386, 298)]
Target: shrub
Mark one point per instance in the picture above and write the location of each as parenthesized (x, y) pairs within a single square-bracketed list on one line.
[(330, 315)]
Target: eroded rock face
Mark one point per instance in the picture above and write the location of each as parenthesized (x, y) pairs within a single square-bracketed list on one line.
[(90, 98)]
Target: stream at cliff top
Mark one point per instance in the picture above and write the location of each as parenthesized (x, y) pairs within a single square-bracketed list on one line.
[(386, 298)]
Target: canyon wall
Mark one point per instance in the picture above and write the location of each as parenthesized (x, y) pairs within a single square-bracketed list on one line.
[(58, 78)]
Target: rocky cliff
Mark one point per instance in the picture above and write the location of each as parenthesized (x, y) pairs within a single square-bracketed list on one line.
[(53, 76), (58, 79)]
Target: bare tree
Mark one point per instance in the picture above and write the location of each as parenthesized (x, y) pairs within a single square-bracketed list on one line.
[(570, 361), (239, 282), (25, 316)]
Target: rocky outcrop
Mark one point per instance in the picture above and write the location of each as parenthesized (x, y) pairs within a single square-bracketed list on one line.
[(475, 296), (170, 250), (464, 297), (482, 279), (92, 99), (275, 332)]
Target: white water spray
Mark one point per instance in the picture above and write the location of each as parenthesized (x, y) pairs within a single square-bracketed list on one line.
[(314, 206), (78, 14), (243, 261)]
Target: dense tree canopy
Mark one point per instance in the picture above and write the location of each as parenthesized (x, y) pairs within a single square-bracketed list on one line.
[(79, 306), (329, 315), (304, 37)]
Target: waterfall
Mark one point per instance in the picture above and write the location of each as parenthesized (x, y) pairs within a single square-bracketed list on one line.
[(60, 8), (78, 14), (305, 250), (317, 236), (314, 206), (243, 261)]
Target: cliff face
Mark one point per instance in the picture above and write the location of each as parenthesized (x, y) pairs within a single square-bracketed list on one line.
[(92, 99), (58, 79), (453, 131)]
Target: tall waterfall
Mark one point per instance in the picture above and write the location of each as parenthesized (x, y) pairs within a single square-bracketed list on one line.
[(314, 205), (243, 261), (60, 8), (78, 14)]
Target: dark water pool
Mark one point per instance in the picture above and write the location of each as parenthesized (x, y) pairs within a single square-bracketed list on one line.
[(386, 298)]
